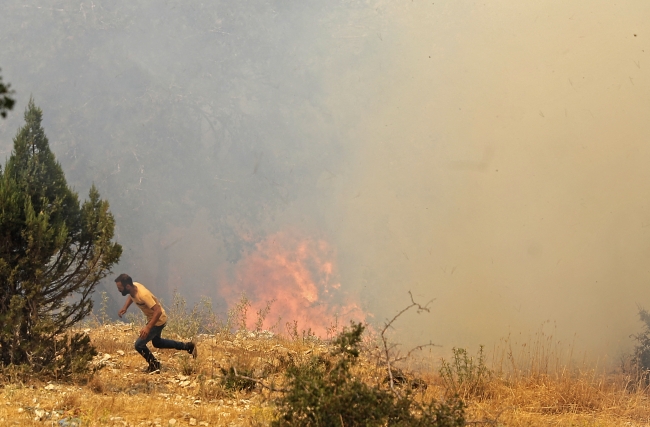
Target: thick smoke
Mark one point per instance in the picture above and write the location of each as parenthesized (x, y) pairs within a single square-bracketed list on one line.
[(490, 155), (501, 167), (206, 126)]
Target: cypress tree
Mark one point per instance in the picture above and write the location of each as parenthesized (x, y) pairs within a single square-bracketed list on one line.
[(53, 251)]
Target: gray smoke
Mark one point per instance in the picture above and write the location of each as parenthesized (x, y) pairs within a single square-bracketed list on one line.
[(492, 156)]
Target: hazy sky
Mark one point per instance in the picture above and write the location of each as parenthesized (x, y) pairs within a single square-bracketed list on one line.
[(491, 155)]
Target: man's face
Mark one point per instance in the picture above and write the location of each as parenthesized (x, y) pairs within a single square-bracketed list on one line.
[(122, 289)]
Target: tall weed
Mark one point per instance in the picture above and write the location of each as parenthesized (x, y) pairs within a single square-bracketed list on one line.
[(466, 376), (187, 323)]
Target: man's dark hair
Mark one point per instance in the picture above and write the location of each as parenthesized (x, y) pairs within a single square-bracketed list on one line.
[(124, 279)]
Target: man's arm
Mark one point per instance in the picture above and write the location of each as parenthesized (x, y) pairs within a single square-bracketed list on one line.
[(127, 303), (157, 312)]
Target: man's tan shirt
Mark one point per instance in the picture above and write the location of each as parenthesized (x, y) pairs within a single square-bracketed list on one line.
[(146, 300)]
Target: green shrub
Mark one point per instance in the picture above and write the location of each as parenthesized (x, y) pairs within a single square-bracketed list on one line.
[(638, 363), (62, 358), (73, 356), (466, 376), (324, 392)]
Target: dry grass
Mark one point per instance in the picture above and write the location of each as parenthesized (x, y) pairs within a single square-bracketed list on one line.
[(527, 388), (577, 398), (537, 383), (187, 390)]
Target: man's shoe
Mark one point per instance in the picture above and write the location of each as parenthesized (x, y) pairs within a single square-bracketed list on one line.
[(153, 367), (191, 349)]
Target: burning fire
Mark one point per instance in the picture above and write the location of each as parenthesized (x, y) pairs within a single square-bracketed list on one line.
[(298, 277)]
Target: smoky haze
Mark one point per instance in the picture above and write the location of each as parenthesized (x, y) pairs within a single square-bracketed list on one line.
[(492, 156)]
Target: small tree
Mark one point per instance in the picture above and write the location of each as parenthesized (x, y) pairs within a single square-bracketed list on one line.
[(53, 252)]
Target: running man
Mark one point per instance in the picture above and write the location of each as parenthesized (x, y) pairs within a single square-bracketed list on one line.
[(156, 317)]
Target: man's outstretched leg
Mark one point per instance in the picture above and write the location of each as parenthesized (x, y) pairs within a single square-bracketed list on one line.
[(160, 342)]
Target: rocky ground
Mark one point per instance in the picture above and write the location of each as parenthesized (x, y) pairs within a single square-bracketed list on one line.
[(187, 391), (190, 392)]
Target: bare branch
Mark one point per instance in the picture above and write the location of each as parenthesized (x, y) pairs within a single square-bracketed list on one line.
[(387, 349)]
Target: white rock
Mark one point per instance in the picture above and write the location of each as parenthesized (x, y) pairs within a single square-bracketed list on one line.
[(20, 410), (192, 421), (120, 352), (50, 387), (203, 423), (172, 422)]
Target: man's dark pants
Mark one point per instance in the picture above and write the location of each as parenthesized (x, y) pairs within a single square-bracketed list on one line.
[(158, 342)]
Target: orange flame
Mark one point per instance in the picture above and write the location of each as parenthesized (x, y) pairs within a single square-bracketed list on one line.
[(299, 276)]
